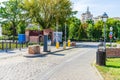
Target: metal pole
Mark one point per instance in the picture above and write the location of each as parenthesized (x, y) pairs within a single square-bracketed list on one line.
[(104, 35), (65, 32), (57, 32)]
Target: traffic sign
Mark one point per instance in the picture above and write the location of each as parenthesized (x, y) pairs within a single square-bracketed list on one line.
[(110, 36), (110, 33), (111, 28)]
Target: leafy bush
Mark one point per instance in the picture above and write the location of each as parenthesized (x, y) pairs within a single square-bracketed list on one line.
[(113, 45)]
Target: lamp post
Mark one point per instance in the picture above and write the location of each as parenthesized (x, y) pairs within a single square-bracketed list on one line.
[(65, 31), (104, 19), (101, 53)]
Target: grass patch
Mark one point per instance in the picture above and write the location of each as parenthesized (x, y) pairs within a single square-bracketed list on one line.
[(112, 69)]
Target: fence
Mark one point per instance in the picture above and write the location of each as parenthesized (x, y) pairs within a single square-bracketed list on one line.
[(9, 45)]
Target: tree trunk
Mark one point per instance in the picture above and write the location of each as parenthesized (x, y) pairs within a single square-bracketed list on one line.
[(14, 31)]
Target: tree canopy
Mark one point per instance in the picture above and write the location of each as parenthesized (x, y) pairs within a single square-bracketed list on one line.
[(47, 12)]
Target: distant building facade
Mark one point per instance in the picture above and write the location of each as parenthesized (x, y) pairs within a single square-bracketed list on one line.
[(95, 19), (117, 18), (86, 16)]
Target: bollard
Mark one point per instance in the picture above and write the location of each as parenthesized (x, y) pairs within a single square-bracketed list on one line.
[(68, 43), (57, 45), (49, 45), (64, 45)]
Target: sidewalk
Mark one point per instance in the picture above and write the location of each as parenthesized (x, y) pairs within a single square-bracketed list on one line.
[(24, 52), (11, 53)]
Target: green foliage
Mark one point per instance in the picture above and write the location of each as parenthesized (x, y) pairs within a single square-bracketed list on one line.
[(113, 45), (90, 31), (32, 28), (47, 12), (74, 25), (11, 13), (21, 27), (82, 31)]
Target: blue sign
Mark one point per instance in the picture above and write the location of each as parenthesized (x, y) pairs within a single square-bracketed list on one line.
[(111, 33)]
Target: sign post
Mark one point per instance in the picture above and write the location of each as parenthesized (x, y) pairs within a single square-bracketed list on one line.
[(111, 35)]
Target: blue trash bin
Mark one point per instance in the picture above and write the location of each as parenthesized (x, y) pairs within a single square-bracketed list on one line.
[(21, 38)]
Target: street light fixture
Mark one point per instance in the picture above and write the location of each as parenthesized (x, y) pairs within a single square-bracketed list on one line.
[(104, 19)]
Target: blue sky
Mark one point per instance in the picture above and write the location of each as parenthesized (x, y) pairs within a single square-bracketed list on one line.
[(97, 7)]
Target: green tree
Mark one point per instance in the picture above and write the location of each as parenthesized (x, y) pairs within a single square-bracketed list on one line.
[(115, 24), (90, 30), (98, 26), (11, 12), (74, 24), (82, 31), (47, 12), (118, 28)]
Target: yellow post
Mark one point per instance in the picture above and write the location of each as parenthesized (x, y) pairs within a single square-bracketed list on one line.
[(68, 43), (57, 45), (64, 45)]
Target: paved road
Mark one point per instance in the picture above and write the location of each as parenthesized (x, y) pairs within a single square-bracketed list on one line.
[(77, 67), (73, 64)]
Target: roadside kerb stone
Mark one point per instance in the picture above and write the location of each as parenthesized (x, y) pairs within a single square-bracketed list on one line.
[(93, 65), (24, 52)]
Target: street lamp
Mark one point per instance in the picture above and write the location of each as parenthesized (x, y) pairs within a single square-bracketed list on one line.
[(104, 19)]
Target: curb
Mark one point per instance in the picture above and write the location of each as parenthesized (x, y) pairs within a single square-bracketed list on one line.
[(101, 77), (20, 53)]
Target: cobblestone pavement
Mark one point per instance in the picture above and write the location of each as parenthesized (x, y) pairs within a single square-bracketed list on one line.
[(22, 68), (54, 66)]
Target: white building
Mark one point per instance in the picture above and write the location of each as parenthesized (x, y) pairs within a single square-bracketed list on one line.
[(95, 19), (86, 16)]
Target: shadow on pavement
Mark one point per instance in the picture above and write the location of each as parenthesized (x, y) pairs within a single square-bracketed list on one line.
[(48, 53)]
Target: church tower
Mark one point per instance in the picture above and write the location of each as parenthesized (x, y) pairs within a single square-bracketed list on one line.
[(87, 15)]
